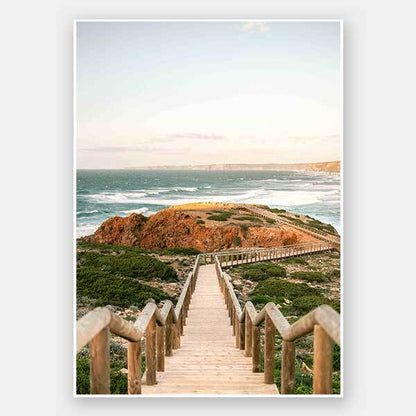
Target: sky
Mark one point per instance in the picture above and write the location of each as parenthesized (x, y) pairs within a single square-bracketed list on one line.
[(190, 93)]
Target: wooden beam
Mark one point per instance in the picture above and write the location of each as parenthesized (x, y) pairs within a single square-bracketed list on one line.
[(288, 368), (134, 368), (151, 353), (269, 358), (100, 363), (322, 362)]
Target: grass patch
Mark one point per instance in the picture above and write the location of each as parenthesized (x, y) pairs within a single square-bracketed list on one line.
[(305, 304), (270, 221), (108, 248), (261, 271), (295, 260), (334, 274), (309, 276), (220, 216), (277, 290), (129, 265), (105, 288), (248, 218), (277, 210)]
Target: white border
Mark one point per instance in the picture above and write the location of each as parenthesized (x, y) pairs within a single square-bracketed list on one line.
[(74, 193)]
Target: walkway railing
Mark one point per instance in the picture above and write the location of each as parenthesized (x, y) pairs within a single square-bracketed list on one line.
[(322, 235), (254, 255), (162, 330), (324, 322)]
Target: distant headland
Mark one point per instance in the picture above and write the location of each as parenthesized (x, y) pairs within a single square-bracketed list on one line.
[(333, 167)]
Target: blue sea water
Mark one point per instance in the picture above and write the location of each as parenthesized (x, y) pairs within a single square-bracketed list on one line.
[(102, 194)]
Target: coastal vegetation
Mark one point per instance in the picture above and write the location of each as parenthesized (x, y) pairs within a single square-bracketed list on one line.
[(278, 282)]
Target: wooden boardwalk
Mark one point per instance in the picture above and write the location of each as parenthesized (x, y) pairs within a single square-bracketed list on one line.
[(208, 361)]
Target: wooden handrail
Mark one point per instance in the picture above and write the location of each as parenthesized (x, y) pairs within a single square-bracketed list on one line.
[(323, 321), (161, 329)]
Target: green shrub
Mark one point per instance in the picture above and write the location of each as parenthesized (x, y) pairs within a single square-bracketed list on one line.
[(277, 210), (270, 221), (309, 276), (276, 290), (261, 271), (237, 240), (334, 274), (295, 260), (220, 216), (108, 289), (129, 265), (307, 303), (248, 218), (200, 221)]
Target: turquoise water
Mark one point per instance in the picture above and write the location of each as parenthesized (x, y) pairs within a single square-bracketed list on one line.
[(102, 194)]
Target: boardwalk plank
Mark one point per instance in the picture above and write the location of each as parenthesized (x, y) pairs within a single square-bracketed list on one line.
[(208, 361)]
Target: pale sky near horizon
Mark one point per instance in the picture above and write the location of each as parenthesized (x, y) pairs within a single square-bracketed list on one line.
[(188, 93)]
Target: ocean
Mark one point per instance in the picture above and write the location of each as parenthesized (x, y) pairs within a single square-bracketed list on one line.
[(102, 194)]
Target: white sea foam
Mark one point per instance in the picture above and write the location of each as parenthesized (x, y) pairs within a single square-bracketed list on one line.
[(86, 229), (94, 211), (137, 211)]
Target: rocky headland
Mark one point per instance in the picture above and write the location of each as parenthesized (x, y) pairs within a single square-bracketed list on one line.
[(206, 227)]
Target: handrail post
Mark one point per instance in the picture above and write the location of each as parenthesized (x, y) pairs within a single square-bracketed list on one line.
[(269, 351), (160, 345), (322, 362), (134, 367), (248, 334), (100, 362), (151, 352), (288, 367), (169, 334), (256, 348), (242, 334)]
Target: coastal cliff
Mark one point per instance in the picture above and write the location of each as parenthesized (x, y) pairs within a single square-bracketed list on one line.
[(206, 227), (329, 167)]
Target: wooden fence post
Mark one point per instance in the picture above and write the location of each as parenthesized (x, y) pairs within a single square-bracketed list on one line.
[(242, 334), (160, 346), (151, 352), (169, 334), (288, 367), (134, 368), (248, 334), (100, 363), (322, 362), (256, 349), (269, 351)]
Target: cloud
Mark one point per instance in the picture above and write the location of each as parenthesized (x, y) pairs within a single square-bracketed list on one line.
[(255, 27), (196, 136), (134, 149)]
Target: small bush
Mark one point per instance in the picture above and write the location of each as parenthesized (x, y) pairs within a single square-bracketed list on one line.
[(305, 304), (220, 217), (248, 218), (277, 290), (309, 276), (237, 240), (334, 274), (200, 221), (108, 289), (262, 271), (129, 265), (270, 221), (295, 260), (277, 210)]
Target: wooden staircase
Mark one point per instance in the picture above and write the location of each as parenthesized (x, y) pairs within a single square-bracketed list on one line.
[(208, 361), (209, 344)]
